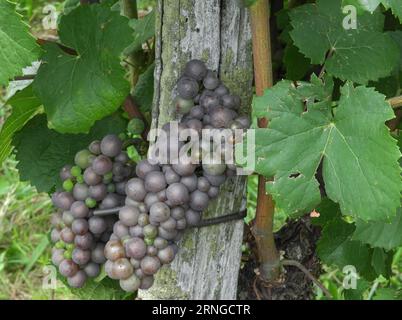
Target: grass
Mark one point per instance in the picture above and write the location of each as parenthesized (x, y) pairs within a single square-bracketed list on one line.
[(24, 244)]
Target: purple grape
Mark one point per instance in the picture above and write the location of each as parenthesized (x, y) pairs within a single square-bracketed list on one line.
[(92, 269), (77, 280), (150, 265), (135, 248), (68, 268)]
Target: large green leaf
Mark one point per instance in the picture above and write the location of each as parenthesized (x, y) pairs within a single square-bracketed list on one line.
[(78, 90), (25, 104), (18, 48), (381, 234), (335, 247), (360, 55), (42, 152), (144, 29), (359, 157)]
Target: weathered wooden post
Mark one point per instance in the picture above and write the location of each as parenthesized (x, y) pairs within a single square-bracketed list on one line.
[(218, 32)]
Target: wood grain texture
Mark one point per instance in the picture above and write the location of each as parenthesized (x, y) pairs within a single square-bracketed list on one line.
[(217, 32)]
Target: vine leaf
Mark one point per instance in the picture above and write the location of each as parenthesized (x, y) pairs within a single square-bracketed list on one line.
[(70, 5), (372, 5), (104, 289), (388, 294), (336, 247), (144, 29), (357, 293), (296, 64), (353, 146), (395, 6), (382, 262), (18, 48), (368, 5), (144, 89), (42, 152), (78, 90), (381, 234), (397, 36), (25, 105), (329, 211), (357, 55)]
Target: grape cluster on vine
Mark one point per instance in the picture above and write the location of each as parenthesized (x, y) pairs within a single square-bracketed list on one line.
[(160, 200), (96, 181), (166, 198)]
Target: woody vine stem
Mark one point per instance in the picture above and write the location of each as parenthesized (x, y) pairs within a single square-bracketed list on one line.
[(263, 227), (269, 258)]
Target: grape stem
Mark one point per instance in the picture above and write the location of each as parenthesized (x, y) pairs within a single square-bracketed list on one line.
[(263, 225)]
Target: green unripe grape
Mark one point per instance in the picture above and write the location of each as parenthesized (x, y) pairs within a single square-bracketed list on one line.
[(82, 158), (122, 136), (68, 185), (68, 254), (76, 171), (149, 241), (59, 245), (183, 106), (91, 158), (150, 232), (135, 126), (111, 188), (80, 179), (90, 202), (108, 177)]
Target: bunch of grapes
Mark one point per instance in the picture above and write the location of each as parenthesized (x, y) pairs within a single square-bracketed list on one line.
[(96, 181), (166, 198)]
